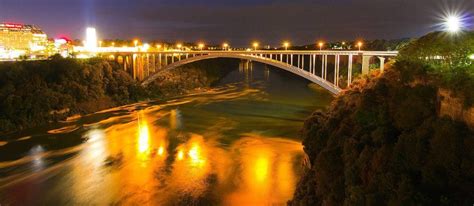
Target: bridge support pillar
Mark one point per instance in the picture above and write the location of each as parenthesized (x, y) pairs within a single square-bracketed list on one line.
[(382, 64), (349, 70), (302, 62), (365, 64), (134, 66), (336, 70), (159, 61)]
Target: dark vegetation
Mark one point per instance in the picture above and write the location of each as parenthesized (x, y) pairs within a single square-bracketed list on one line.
[(384, 143), (34, 93)]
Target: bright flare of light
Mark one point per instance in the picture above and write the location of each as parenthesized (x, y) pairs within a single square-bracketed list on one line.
[(135, 42), (143, 137), (201, 46), (194, 153), (91, 39), (146, 47), (471, 57), (179, 46), (158, 46), (225, 45), (255, 45), (453, 24), (180, 155), (161, 151), (321, 44), (286, 45)]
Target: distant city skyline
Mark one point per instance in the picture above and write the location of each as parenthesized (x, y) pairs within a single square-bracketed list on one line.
[(238, 22)]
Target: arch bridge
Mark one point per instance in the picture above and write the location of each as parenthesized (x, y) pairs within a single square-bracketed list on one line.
[(332, 70)]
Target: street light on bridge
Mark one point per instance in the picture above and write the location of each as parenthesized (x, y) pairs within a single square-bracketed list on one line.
[(359, 44), (158, 46), (286, 45), (255, 46), (225, 46), (321, 44), (201, 46), (135, 42), (179, 46)]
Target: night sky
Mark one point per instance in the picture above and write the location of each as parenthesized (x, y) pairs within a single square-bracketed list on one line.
[(236, 21)]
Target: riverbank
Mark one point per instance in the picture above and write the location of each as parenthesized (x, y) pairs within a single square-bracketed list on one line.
[(41, 92)]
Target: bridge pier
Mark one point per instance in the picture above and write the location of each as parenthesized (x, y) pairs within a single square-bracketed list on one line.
[(336, 70), (382, 64), (349, 70), (365, 64)]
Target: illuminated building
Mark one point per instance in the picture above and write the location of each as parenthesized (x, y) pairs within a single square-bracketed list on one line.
[(26, 39)]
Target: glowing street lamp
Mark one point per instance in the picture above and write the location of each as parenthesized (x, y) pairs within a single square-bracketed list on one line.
[(201, 46), (158, 46), (225, 46), (453, 24), (359, 44), (146, 47), (320, 44), (135, 42), (255, 46), (113, 44), (286, 45), (179, 46)]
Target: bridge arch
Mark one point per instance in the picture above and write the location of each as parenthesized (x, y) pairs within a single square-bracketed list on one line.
[(278, 64)]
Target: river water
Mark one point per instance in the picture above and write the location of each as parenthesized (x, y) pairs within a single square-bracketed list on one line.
[(235, 144)]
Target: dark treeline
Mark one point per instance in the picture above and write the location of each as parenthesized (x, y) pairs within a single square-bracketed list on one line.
[(34, 93), (384, 142)]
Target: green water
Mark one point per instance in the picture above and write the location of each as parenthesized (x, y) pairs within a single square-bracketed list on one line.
[(235, 144)]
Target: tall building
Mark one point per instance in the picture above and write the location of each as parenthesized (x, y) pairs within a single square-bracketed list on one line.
[(27, 38)]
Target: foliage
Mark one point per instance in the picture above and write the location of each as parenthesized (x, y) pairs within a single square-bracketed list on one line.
[(443, 51), (444, 58), (383, 144), (36, 92)]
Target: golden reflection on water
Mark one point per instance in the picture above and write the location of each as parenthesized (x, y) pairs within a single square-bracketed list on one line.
[(129, 164)]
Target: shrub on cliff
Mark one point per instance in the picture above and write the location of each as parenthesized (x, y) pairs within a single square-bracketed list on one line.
[(385, 145)]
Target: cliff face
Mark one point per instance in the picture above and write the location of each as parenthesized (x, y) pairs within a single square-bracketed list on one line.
[(384, 143), (453, 107)]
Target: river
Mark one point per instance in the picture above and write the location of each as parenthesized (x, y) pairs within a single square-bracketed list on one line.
[(235, 144)]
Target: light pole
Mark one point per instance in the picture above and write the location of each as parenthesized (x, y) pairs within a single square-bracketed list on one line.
[(321, 44), (201, 46), (135, 42), (179, 46), (158, 46), (225, 46), (255, 46), (286, 45), (359, 44)]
